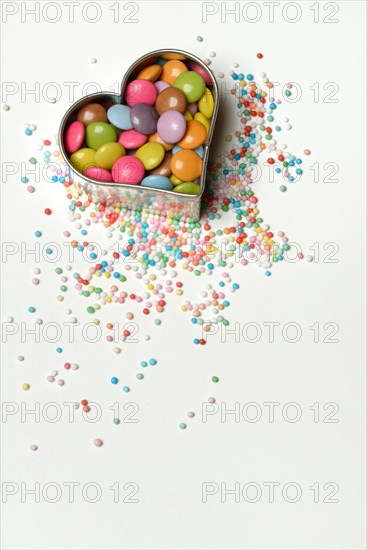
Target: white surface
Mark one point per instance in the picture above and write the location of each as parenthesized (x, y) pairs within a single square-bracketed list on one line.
[(170, 465)]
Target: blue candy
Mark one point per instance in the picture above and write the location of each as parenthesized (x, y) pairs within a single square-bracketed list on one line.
[(199, 150), (158, 182), (119, 116)]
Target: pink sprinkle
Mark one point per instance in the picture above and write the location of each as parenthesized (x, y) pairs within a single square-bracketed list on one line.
[(20, 358), (50, 378), (307, 152), (67, 366), (211, 399), (31, 189), (98, 442), (66, 233), (191, 414), (36, 281), (61, 382)]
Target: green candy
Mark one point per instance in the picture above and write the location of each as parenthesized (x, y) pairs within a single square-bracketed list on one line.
[(99, 133), (188, 188), (191, 84)]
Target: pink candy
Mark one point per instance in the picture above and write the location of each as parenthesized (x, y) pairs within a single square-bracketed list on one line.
[(198, 69), (128, 170), (74, 136), (141, 91), (98, 174), (132, 139)]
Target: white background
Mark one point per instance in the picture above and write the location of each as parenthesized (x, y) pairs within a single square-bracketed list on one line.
[(168, 464)]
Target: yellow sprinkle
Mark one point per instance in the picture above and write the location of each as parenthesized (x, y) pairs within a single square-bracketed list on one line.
[(25, 387)]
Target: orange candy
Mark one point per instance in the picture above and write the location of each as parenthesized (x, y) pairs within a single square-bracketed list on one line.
[(171, 55), (195, 135), (154, 138), (150, 73), (186, 165), (171, 70)]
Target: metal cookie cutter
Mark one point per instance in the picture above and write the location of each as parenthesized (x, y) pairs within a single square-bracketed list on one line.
[(134, 196)]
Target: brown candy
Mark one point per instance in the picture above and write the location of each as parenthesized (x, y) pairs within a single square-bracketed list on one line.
[(164, 169), (171, 99), (93, 112)]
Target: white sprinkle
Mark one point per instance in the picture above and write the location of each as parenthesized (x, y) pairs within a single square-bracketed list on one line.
[(220, 75), (10, 319), (212, 54), (309, 258), (6, 108), (93, 60)]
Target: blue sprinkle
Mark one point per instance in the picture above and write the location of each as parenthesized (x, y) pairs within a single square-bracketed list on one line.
[(37, 234), (126, 389), (152, 361), (114, 380), (24, 180), (59, 350), (143, 364), (31, 309), (268, 273)]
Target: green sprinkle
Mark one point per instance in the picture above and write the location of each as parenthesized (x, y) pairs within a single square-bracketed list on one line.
[(199, 38), (90, 309), (182, 425), (215, 379), (140, 376), (282, 188), (116, 421)]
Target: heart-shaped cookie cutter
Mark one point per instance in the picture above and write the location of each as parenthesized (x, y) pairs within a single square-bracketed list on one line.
[(155, 200)]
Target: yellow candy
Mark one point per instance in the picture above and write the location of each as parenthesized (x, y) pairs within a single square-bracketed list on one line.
[(206, 104), (188, 116), (174, 180), (83, 159), (151, 155), (204, 121), (108, 153)]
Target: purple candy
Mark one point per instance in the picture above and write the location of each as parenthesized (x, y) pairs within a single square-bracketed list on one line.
[(192, 108), (161, 85), (171, 126), (144, 118)]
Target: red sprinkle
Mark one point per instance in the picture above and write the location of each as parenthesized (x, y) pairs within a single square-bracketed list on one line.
[(259, 56), (48, 211)]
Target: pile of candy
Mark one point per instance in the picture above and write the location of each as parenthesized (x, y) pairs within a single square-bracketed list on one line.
[(154, 253), (154, 140)]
